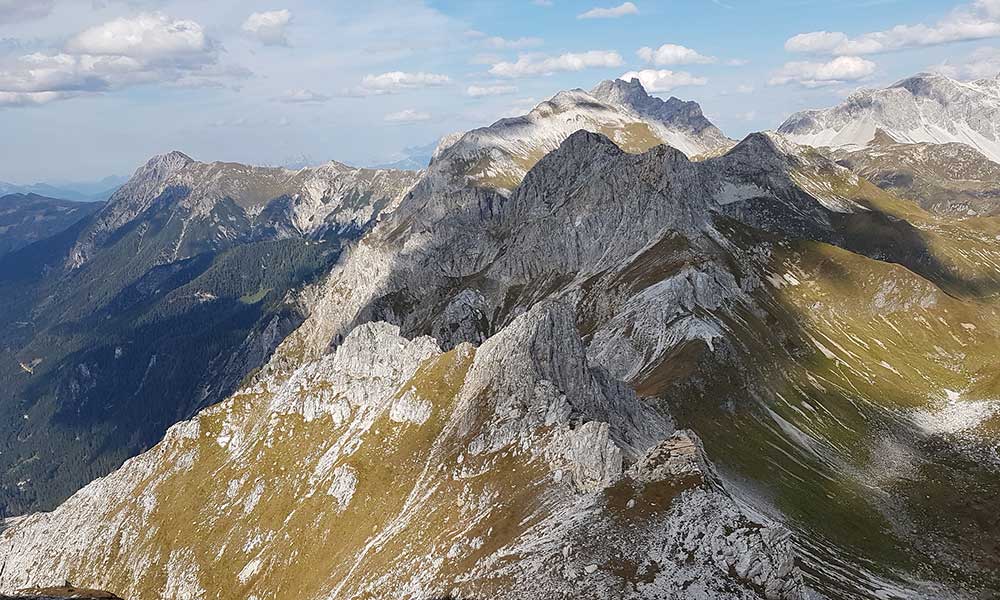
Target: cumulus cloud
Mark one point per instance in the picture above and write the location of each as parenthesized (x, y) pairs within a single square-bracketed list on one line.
[(478, 91), (817, 74), (528, 65), (303, 96), (269, 28), (976, 21), (663, 80), (150, 37), (397, 81), (147, 48), (615, 12), (672, 54), (407, 116), (984, 63), (20, 11)]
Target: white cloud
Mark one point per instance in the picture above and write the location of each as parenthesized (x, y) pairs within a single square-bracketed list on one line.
[(147, 48), (478, 91), (527, 65), (407, 116), (817, 74), (621, 10), (984, 63), (816, 41), (672, 54), (663, 80), (976, 21), (150, 37), (398, 81), (20, 11), (303, 96), (270, 28)]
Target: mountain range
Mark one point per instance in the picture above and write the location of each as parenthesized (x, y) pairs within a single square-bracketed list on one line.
[(597, 351), (90, 191)]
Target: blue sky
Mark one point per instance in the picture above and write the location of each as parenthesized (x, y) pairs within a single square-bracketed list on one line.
[(90, 88)]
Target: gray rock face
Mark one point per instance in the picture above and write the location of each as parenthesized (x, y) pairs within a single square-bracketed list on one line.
[(928, 108)]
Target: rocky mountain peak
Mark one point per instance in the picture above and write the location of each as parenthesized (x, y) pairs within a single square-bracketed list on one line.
[(633, 96), (148, 178), (174, 157), (924, 108), (619, 90), (160, 167), (498, 156), (130, 200), (582, 145), (766, 148)]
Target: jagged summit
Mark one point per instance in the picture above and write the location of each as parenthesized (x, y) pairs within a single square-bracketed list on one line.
[(620, 91), (172, 157), (762, 143), (498, 156), (928, 107), (632, 95)]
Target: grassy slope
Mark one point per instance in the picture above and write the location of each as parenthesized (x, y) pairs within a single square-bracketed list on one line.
[(811, 405)]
